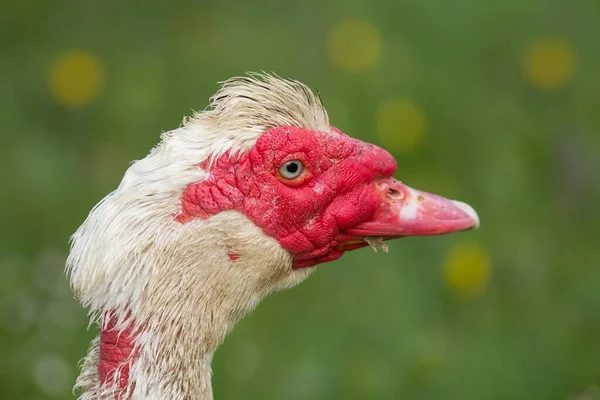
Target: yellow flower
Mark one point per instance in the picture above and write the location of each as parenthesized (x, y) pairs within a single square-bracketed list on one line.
[(355, 45), (401, 125), (76, 78), (467, 270), (550, 64)]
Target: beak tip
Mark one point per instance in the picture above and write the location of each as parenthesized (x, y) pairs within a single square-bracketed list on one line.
[(470, 211)]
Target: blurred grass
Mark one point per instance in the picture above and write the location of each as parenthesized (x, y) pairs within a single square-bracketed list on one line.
[(506, 97)]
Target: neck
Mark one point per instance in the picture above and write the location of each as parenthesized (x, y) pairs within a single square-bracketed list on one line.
[(157, 339), (169, 354), (128, 361)]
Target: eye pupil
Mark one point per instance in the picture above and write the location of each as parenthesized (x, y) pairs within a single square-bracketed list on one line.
[(292, 167)]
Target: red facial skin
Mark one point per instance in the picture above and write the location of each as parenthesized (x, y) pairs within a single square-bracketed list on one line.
[(304, 215)]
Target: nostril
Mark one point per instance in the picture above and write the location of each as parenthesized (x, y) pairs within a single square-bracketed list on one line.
[(395, 194)]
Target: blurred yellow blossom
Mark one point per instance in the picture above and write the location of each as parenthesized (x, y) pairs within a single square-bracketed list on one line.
[(401, 125), (550, 63), (355, 45), (467, 269), (76, 78)]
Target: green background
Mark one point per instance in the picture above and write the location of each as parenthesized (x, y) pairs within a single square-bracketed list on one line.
[(369, 326)]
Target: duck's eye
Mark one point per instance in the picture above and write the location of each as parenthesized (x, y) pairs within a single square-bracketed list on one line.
[(291, 169)]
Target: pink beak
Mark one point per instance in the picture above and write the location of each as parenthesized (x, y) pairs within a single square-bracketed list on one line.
[(404, 211)]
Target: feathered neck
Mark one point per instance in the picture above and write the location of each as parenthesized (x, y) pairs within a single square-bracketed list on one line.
[(190, 296)]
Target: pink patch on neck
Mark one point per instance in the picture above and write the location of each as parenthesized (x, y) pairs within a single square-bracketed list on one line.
[(116, 355)]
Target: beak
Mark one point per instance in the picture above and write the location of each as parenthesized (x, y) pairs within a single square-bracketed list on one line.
[(404, 211)]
